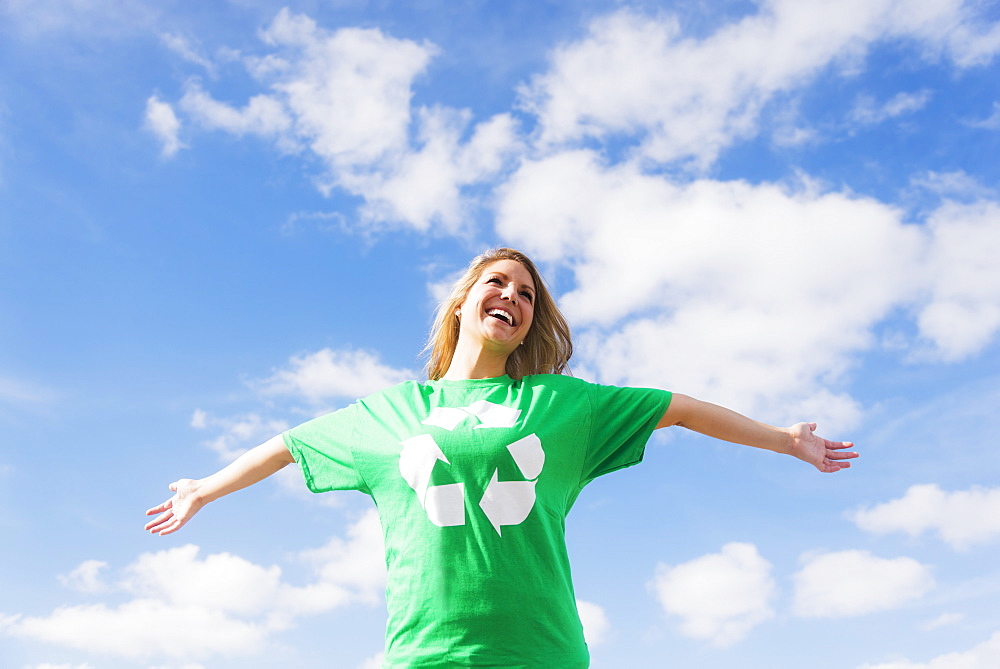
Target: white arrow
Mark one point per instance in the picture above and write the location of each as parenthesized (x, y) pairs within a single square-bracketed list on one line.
[(507, 502), (446, 417), (493, 415), (445, 504), (528, 455), (488, 413)]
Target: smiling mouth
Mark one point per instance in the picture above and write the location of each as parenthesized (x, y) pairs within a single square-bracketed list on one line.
[(501, 315)]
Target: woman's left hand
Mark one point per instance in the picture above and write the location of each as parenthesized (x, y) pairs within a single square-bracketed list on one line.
[(825, 455)]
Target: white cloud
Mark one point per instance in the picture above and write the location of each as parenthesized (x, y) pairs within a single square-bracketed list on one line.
[(963, 313), (218, 605), (943, 620), (759, 297), (349, 91), (345, 96), (221, 582), (867, 112), (853, 583), (373, 662), (238, 433), (720, 597), (135, 630), (991, 122), (354, 565), (86, 577), (983, 656), (689, 98), (595, 622), (752, 296), (199, 419), (182, 47), (318, 220), (961, 518), (163, 122), (262, 116), (956, 185), (327, 374), (424, 185), (755, 296)]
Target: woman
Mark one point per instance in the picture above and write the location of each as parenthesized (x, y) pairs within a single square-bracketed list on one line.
[(474, 472)]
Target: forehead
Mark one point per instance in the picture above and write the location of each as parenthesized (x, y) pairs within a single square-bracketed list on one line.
[(512, 270)]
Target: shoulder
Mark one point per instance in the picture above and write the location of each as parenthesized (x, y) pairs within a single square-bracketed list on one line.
[(402, 389), (400, 393), (595, 392), (555, 381)]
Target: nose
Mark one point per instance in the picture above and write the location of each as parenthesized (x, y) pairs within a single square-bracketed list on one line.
[(509, 293)]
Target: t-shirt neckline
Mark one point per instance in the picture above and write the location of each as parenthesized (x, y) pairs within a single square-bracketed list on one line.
[(504, 380)]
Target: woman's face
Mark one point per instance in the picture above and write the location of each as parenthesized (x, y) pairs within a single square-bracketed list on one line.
[(499, 308)]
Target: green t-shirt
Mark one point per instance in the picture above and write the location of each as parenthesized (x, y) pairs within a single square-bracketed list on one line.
[(473, 481)]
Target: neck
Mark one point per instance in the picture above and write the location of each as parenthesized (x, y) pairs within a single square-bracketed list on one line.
[(475, 363)]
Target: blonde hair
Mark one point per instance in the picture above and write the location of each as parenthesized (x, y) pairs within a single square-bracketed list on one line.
[(547, 347)]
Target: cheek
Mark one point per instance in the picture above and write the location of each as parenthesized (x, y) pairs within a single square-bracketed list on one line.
[(469, 302)]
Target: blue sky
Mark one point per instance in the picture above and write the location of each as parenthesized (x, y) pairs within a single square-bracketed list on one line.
[(219, 220)]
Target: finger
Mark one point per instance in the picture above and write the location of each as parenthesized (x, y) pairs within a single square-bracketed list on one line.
[(841, 455), (153, 526), (157, 524), (172, 527), (160, 508), (837, 445)]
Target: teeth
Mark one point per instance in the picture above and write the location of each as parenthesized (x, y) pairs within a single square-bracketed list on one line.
[(500, 313)]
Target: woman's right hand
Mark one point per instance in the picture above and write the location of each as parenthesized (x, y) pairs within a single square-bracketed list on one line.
[(192, 494), (177, 510)]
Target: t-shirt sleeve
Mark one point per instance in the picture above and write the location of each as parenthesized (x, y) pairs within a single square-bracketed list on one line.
[(324, 450), (622, 420)]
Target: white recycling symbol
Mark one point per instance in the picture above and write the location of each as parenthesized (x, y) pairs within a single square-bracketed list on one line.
[(503, 502)]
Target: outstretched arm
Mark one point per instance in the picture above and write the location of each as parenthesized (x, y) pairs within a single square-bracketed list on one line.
[(192, 494), (721, 423)]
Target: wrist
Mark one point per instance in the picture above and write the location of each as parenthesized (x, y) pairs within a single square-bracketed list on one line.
[(788, 440), (198, 492)]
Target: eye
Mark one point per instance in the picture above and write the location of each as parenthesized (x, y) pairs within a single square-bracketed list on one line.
[(494, 279), (528, 296)]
